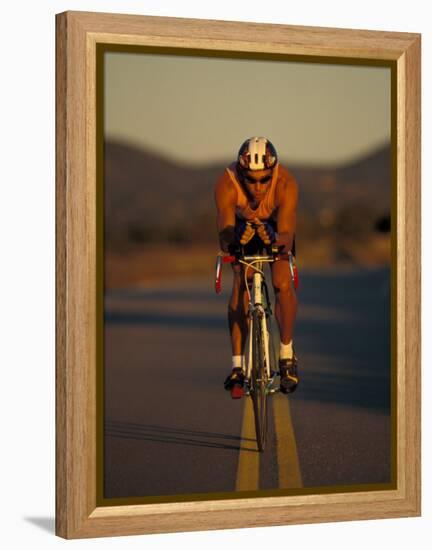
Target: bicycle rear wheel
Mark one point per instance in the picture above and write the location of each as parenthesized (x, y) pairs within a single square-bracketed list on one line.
[(259, 381)]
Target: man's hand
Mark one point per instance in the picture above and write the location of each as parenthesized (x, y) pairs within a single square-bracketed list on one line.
[(265, 231), (244, 232)]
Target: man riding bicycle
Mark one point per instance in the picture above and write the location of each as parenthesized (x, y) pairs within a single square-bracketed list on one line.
[(256, 200)]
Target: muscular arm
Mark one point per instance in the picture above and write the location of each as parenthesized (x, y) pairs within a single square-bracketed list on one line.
[(287, 211), (225, 198)]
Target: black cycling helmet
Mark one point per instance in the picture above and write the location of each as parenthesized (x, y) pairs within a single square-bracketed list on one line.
[(257, 153)]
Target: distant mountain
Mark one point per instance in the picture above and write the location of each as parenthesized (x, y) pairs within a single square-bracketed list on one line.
[(367, 179), (149, 197)]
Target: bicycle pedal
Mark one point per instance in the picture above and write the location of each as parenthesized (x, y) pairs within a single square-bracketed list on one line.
[(237, 392)]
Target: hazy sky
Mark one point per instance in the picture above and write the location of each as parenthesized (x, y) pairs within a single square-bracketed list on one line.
[(199, 110)]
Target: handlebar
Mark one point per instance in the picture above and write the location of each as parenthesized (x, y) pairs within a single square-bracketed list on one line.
[(239, 256)]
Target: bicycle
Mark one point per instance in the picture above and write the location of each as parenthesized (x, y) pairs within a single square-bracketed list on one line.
[(261, 369)]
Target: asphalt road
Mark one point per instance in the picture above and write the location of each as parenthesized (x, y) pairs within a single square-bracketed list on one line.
[(171, 429)]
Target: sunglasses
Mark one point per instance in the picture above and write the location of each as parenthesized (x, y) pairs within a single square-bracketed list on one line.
[(252, 181)]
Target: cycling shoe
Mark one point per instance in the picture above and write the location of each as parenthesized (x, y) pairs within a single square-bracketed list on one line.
[(289, 378), (234, 383)]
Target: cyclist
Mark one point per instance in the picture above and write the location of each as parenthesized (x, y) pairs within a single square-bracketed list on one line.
[(257, 188)]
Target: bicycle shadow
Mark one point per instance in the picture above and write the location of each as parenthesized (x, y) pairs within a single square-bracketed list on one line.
[(178, 436)]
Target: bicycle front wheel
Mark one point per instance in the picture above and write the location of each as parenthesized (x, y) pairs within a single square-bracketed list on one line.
[(259, 381)]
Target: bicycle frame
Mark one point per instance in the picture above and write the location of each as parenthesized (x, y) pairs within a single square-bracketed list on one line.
[(256, 303)]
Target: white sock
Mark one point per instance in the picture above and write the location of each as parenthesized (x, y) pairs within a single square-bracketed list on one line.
[(238, 361), (286, 351)]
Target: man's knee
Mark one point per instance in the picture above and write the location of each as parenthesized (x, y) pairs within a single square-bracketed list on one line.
[(283, 286)]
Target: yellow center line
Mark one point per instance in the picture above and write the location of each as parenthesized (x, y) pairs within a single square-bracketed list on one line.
[(286, 447), (248, 464)]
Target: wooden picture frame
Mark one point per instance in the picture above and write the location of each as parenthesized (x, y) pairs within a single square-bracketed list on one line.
[(78, 514)]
